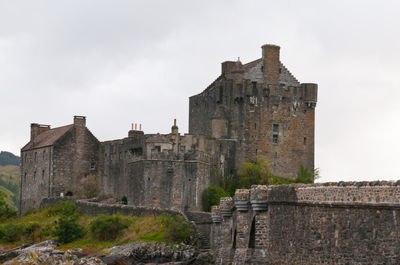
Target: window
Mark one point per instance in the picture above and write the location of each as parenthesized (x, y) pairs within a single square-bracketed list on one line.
[(275, 108), (136, 151), (255, 126), (305, 140), (275, 128), (157, 148), (44, 152), (35, 156), (275, 133), (34, 175), (42, 174), (254, 84), (182, 148)]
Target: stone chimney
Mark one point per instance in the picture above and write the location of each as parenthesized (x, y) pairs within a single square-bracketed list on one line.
[(80, 121), (37, 129), (271, 63), (174, 128), (34, 131)]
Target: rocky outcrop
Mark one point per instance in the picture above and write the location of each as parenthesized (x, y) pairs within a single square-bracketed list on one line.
[(134, 253)]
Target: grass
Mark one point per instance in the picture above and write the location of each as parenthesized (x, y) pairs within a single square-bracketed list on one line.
[(39, 225)]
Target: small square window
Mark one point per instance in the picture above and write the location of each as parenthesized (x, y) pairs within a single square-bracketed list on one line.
[(275, 128)]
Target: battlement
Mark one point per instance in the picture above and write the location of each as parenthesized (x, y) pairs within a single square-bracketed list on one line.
[(322, 223), (356, 194)]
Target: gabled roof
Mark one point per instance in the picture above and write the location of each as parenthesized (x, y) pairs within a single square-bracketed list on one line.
[(47, 138)]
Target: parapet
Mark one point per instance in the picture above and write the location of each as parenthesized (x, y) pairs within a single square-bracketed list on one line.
[(348, 194), (242, 197), (259, 197), (215, 214), (226, 206)]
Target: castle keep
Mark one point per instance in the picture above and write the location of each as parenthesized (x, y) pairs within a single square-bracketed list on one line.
[(252, 110), (263, 109)]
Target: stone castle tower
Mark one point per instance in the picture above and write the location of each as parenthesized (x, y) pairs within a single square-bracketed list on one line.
[(263, 109)]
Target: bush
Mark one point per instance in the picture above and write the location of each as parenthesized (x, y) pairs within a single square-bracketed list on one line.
[(254, 173), (67, 228), (304, 175), (177, 229), (90, 186), (211, 197), (10, 232), (107, 228)]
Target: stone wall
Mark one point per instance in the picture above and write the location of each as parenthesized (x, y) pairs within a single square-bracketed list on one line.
[(36, 171), (330, 223), (93, 208), (162, 170)]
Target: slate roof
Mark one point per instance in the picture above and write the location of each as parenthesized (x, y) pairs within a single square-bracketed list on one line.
[(47, 138)]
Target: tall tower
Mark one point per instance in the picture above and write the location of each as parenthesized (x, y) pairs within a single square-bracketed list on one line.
[(264, 109)]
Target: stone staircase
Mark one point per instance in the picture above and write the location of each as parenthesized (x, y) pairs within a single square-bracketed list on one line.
[(202, 222)]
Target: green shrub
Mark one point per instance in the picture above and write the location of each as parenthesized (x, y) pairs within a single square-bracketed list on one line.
[(304, 175), (276, 180), (107, 228), (176, 228), (256, 172), (67, 228), (90, 186), (10, 232), (6, 212), (211, 197)]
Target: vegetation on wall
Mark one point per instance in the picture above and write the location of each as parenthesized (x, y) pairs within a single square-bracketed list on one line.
[(256, 172), (211, 196)]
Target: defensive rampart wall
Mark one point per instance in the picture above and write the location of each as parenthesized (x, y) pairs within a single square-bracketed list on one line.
[(330, 223)]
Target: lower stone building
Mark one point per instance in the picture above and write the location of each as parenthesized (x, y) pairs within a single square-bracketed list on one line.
[(153, 170), (55, 161)]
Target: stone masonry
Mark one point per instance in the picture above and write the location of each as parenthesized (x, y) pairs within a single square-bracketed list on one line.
[(329, 223)]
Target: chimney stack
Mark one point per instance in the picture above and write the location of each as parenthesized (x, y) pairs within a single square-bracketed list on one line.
[(174, 128), (34, 131), (79, 121), (271, 63)]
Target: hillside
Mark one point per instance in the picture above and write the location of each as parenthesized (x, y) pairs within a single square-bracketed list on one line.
[(7, 158), (9, 184)]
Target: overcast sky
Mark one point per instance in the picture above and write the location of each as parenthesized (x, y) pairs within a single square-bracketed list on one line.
[(119, 62)]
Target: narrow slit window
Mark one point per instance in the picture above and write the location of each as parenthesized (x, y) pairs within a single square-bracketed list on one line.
[(305, 141)]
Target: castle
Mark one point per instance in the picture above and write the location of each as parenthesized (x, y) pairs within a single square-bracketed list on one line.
[(252, 110)]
